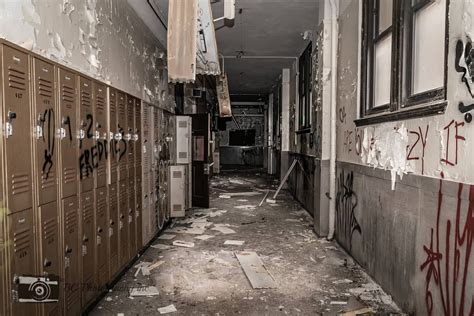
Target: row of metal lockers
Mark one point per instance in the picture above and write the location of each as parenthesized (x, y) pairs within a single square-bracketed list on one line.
[(84, 171)]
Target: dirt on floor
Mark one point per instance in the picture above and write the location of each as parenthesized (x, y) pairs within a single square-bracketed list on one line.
[(312, 275)]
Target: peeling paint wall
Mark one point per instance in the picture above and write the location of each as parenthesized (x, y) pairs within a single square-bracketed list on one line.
[(404, 204), (104, 39)]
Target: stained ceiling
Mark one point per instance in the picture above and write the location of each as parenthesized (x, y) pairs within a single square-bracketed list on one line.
[(266, 37)]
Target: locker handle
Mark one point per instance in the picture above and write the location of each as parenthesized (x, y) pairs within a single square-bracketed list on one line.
[(99, 230), (11, 116), (112, 223), (68, 250), (122, 216), (85, 239), (47, 263)]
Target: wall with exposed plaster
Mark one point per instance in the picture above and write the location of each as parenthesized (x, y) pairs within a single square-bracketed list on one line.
[(405, 194), (103, 39)]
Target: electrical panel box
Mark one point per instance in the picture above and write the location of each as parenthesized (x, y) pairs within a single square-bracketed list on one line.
[(177, 184), (183, 139)]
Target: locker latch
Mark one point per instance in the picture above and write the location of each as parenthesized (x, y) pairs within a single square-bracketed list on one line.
[(135, 137), (111, 135), (38, 132), (61, 133), (9, 124), (97, 135), (118, 136), (81, 134)]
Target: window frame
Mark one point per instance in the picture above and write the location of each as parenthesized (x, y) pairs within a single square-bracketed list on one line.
[(305, 89), (403, 104)]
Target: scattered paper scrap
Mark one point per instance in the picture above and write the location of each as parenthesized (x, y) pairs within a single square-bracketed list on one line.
[(188, 230), (166, 236), (181, 243), (167, 309), (245, 207), (234, 242), (293, 220), (224, 196), (255, 271), (271, 201), (224, 230), (253, 193), (160, 246), (343, 281), (242, 200), (144, 291), (361, 311), (338, 303), (155, 265), (204, 237)]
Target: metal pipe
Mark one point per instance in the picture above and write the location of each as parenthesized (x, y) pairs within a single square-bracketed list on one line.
[(332, 161)]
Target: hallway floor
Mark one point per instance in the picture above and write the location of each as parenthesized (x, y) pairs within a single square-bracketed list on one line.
[(312, 276)]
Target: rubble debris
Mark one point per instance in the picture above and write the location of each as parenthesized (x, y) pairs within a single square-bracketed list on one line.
[(242, 200), (160, 246), (167, 309), (234, 242), (338, 303), (245, 207), (223, 229), (361, 311), (166, 236), (271, 201), (224, 196), (343, 281), (144, 291), (188, 230), (292, 220), (181, 243), (155, 265), (204, 237), (256, 273), (252, 193)]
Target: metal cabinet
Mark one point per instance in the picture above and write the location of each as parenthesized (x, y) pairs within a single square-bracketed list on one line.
[(17, 129), (102, 236), (85, 135), (71, 287), (44, 133), (68, 132), (99, 152)]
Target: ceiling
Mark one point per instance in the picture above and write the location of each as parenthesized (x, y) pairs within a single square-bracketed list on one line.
[(266, 37)]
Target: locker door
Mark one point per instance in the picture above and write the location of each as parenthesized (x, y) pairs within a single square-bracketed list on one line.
[(131, 217), (68, 137), (86, 134), (87, 247), (129, 136), (113, 231), (17, 129), (101, 236), (22, 255), (113, 132), (71, 292), (138, 209), (44, 122), (123, 223), (138, 126), (121, 149), (99, 152), (49, 248)]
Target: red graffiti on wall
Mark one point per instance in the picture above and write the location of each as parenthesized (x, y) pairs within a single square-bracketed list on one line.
[(420, 140), (447, 269), (457, 137)]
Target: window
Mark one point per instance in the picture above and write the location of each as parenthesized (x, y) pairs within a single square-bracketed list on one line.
[(304, 88), (242, 137), (403, 59)]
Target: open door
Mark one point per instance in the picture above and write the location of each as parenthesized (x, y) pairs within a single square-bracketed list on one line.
[(200, 147)]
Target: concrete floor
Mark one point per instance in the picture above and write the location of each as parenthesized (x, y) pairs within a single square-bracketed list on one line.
[(313, 276)]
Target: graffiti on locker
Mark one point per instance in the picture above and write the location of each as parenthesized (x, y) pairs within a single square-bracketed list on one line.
[(448, 254), (118, 146), (45, 131), (346, 202), (91, 157)]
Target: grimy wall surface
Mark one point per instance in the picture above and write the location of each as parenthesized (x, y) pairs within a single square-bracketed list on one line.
[(414, 234), (103, 39)]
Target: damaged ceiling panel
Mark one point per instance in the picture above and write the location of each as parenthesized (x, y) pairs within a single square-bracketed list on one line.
[(207, 54), (182, 30), (223, 96)]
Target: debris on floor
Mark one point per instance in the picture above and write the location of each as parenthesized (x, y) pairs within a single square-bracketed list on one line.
[(167, 309), (155, 265), (144, 291), (204, 237), (255, 271), (166, 236), (234, 242), (181, 243), (223, 229), (160, 246)]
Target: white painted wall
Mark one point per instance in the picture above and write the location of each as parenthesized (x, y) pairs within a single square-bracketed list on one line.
[(104, 39)]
